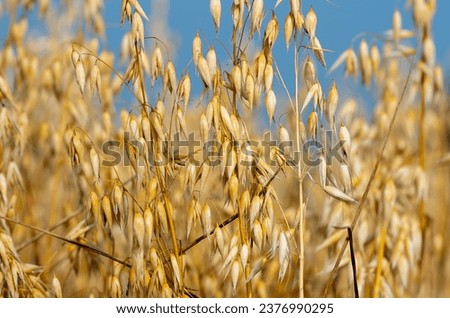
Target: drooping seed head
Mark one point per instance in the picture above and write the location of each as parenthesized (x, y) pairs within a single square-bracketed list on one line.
[(268, 77), (211, 59), (215, 8), (318, 51), (196, 48), (365, 63), (257, 15), (270, 102), (309, 72), (345, 139), (236, 78), (288, 29), (333, 100), (271, 33), (311, 23)]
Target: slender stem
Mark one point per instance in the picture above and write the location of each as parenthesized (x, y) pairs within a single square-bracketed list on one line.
[(73, 242), (204, 236), (301, 224), (353, 260), (51, 228)]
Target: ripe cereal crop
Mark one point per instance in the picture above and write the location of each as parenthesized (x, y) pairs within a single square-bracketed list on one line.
[(251, 186)]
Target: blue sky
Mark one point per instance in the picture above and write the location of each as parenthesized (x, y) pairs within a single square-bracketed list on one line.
[(339, 21)]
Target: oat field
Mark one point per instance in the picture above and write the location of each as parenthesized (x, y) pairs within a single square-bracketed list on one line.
[(242, 188)]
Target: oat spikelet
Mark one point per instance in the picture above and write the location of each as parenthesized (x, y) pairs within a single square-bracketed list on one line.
[(175, 268), (155, 121), (271, 33), (219, 240), (333, 100), (185, 89), (80, 75), (139, 9), (257, 15), (312, 125), (203, 70), (309, 72), (270, 102), (137, 29), (283, 254), (429, 51), (230, 258), (56, 287), (318, 51), (236, 78), (341, 59), (192, 216), (260, 66), (226, 119), (375, 58), (236, 14), (249, 91), (170, 78), (116, 289), (339, 195), (95, 79), (196, 48), (285, 139), (346, 177), (233, 189), (365, 63), (244, 255), (74, 57), (206, 219), (396, 26), (257, 234), (288, 29), (351, 64), (235, 270), (211, 58), (76, 150), (139, 228), (215, 8), (204, 128), (311, 23), (95, 163), (107, 211), (309, 96), (255, 208), (268, 77), (345, 140), (148, 223), (256, 268), (157, 62)]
